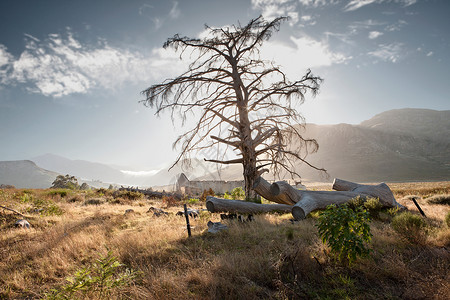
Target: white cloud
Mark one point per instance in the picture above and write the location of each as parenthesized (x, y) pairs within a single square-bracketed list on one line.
[(61, 66), (317, 3), (175, 11), (306, 53), (357, 4), (388, 52), (374, 34), (271, 9)]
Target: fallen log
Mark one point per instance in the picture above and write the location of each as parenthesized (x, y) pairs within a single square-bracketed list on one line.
[(214, 205), (308, 201), (262, 187)]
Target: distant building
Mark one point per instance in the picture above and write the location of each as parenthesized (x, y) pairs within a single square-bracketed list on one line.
[(196, 187)]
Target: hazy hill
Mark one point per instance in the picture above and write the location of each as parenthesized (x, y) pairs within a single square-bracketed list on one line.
[(105, 173), (25, 174), (397, 145)]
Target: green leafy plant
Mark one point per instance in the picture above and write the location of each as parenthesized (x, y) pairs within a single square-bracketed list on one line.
[(410, 226), (238, 194), (61, 192), (192, 200), (100, 280), (345, 230)]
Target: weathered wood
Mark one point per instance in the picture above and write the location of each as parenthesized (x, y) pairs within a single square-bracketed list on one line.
[(187, 220), (380, 191), (262, 187), (308, 201), (13, 210), (214, 205)]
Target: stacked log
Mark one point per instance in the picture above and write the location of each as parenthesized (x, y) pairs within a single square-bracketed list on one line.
[(299, 202)]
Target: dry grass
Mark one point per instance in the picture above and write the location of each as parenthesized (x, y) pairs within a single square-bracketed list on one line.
[(270, 258)]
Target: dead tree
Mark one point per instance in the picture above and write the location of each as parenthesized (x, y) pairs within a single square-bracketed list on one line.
[(244, 103)]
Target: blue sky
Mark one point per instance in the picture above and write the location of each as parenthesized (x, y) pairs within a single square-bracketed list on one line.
[(71, 72)]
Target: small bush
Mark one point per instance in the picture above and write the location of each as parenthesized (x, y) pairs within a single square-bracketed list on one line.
[(93, 201), (169, 201), (227, 196), (192, 201), (76, 198), (238, 194), (130, 195), (44, 207), (206, 193), (440, 199), (345, 230), (61, 192), (410, 226), (97, 281), (373, 206)]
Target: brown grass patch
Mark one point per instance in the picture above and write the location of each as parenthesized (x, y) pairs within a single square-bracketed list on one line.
[(270, 258)]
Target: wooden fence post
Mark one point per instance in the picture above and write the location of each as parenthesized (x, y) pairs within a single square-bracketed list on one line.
[(187, 220)]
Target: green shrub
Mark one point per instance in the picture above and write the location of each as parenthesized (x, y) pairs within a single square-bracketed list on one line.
[(97, 281), (130, 195), (373, 206), (44, 207), (410, 226), (192, 200), (61, 192), (238, 194), (345, 230), (227, 196)]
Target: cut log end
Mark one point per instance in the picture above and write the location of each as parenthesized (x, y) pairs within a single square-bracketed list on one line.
[(298, 213)]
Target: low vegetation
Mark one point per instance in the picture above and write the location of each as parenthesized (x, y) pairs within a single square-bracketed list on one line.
[(74, 250)]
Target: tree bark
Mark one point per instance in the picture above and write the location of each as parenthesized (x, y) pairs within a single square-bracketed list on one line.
[(215, 205), (308, 201), (262, 187)]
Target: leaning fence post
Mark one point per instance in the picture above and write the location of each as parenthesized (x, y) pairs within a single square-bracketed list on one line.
[(187, 220), (417, 205)]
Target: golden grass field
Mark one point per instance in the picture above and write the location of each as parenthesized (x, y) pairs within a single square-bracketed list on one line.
[(269, 258)]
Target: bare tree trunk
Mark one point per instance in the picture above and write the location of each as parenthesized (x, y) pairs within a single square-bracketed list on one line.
[(215, 205)]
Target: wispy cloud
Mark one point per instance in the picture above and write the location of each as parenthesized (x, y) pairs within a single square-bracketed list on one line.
[(357, 4), (374, 34), (317, 3), (388, 52), (62, 65), (270, 9), (175, 11), (305, 53)]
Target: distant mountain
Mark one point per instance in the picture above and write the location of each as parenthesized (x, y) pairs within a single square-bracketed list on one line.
[(25, 174), (100, 172), (397, 145)]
